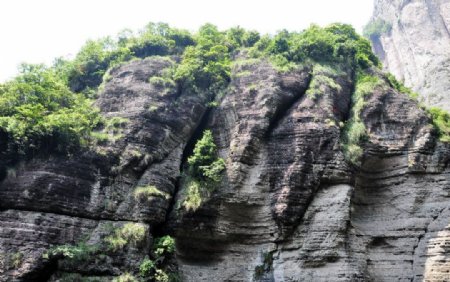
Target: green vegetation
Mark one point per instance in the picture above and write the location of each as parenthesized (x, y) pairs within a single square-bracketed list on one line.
[(441, 121), (15, 260), (323, 79), (50, 107), (159, 268), (161, 82), (204, 172), (440, 117), (96, 57), (400, 87), (130, 233), (336, 43), (265, 267), (375, 28), (164, 245), (38, 111), (355, 130), (205, 66), (146, 193), (73, 253), (126, 277), (111, 130)]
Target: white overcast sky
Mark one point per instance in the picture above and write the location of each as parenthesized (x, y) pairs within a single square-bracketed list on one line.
[(37, 31)]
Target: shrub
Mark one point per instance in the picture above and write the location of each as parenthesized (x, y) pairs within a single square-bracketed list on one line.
[(400, 87), (147, 267), (130, 233), (441, 121), (73, 253), (203, 164), (205, 66), (92, 62), (160, 268), (336, 43), (204, 172), (126, 277), (16, 259), (323, 78), (38, 111), (146, 193), (161, 82), (355, 130), (164, 245), (161, 276), (194, 195)]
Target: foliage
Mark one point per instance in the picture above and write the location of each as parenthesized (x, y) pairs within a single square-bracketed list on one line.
[(146, 267), (323, 78), (148, 192), (126, 277), (38, 111), (160, 268), (265, 267), (194, 195), (204, 172), (92, 61), (203, 164), (97, 56), (400, 87), (441, 121), (161, 276), (355, 130), (130, 233), (16, 259), (375, 28), (74, 253), (336, 43), (164, 245), (161, 82), (205, 66)]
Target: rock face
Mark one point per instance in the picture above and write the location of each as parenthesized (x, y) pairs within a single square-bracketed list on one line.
[(289, 206), (416, 47)]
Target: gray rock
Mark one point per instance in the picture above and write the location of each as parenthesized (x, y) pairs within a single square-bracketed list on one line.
[(289, 207), (417, 49)]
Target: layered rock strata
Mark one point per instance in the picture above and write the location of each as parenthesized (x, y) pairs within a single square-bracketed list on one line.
[(290, 207)]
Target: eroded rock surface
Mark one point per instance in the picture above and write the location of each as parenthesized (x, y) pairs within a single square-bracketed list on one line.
[(290, 207), (416, 49)]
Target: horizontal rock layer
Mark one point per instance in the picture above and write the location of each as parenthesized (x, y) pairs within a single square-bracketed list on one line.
[(289, 207)]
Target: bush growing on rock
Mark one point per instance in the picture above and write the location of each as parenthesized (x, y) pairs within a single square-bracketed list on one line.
[(204, 171), (130, 233), (38, 111)]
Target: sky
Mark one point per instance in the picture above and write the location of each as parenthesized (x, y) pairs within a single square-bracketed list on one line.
[(37, 31)]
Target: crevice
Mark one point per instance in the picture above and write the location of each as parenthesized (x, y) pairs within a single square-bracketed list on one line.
[(196, 135), (164, 227), (282, 110)]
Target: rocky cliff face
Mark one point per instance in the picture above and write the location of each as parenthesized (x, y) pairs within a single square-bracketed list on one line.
[(415, 47), (289, 206)]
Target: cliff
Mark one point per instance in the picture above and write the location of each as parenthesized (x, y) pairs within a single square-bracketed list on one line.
[(414, 45), (299, 198)]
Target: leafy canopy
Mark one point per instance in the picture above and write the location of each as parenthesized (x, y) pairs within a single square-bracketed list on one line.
[(38, 110)]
